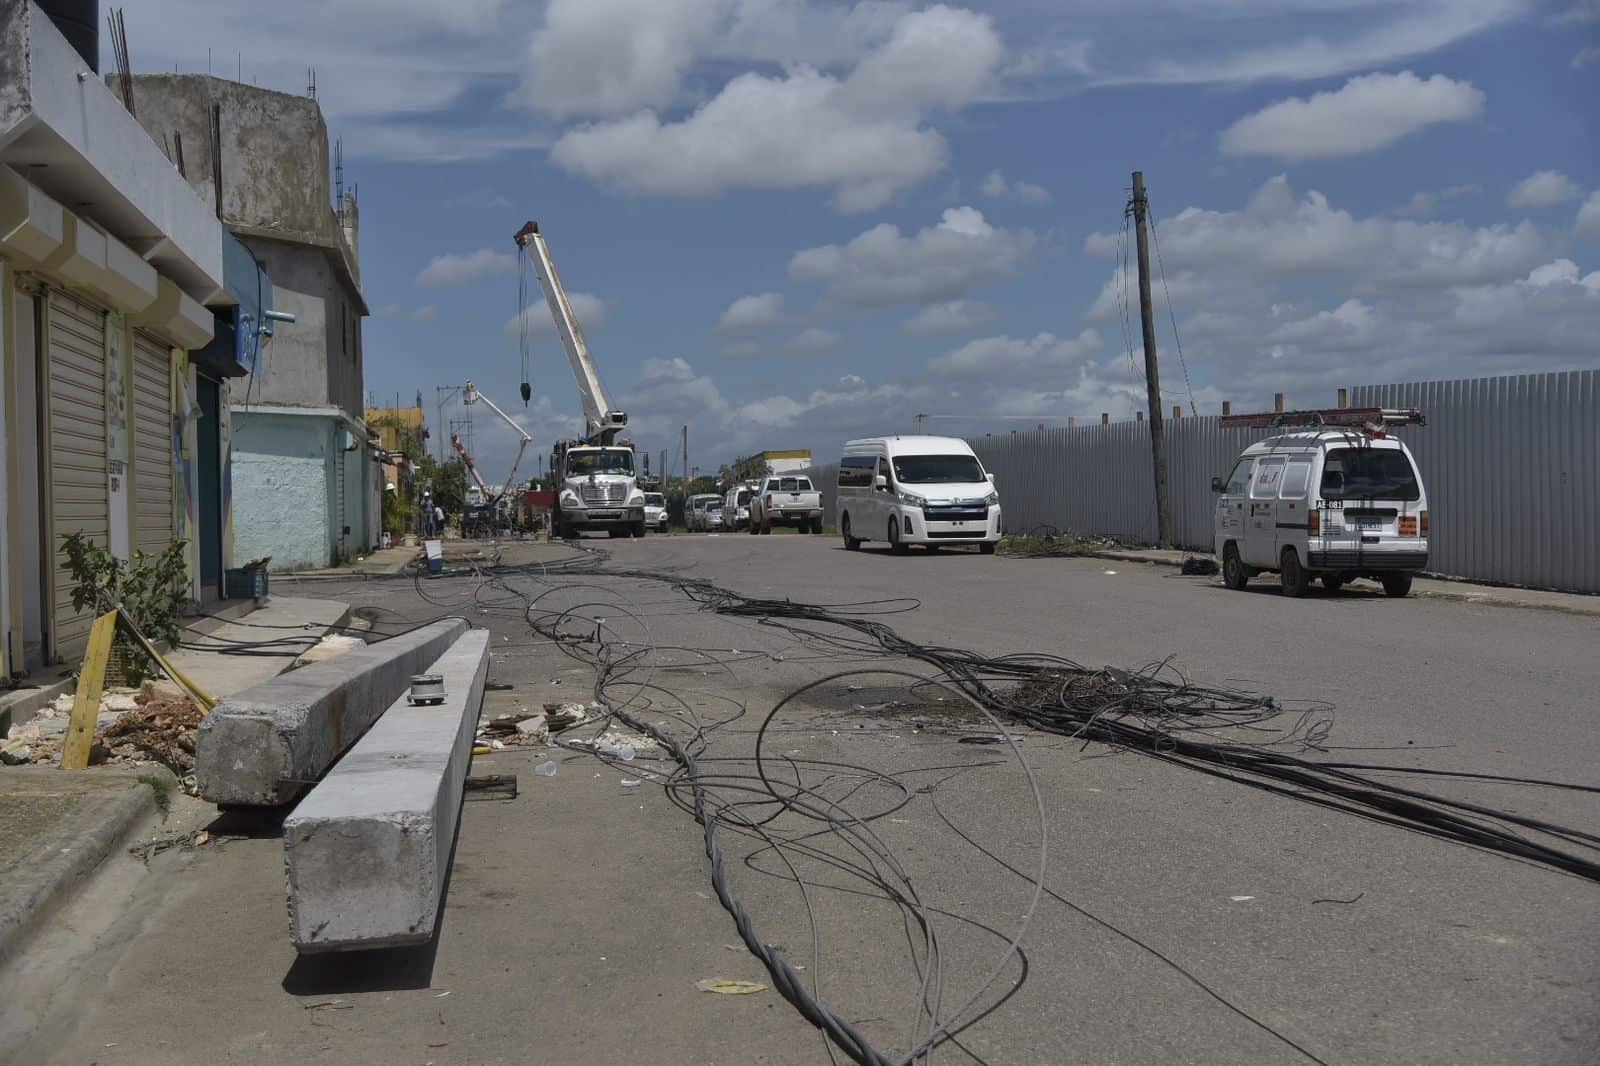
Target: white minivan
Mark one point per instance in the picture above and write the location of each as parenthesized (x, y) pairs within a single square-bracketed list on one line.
[(1331, 503), (916, 490)]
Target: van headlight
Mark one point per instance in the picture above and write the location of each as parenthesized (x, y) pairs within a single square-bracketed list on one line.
[(992, 499), (909, 499)]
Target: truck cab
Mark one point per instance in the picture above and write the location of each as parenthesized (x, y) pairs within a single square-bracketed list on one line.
[(599, 490), (1328, 503)]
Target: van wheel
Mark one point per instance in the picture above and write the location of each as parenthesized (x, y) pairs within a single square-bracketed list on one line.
[(1396, 585), (896, 545), (1234, 574), (851, 544), (987, 547), (1333, 582), (1291, 575)]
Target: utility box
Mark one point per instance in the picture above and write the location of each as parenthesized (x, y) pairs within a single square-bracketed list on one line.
[(244, 584), (435, 550)]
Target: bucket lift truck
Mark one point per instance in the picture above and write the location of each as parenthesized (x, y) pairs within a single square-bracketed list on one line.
[(490, 505), (599, 486)]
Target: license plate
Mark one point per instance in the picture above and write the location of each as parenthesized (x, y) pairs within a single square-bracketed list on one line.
[(602, 514), (1364, 523)]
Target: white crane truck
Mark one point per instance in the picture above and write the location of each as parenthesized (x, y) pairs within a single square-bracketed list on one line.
[(599, 485)]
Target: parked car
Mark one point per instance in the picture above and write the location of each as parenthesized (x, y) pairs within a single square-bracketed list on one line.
[(655, 511), (736, 506), (916, 490), (711, 517), (786, 501), (1334, 504), (694, 510)]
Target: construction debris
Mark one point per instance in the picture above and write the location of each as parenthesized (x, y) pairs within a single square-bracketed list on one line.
[(330, 646)]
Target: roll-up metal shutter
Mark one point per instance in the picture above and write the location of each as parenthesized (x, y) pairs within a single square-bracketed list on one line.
[(152, 445), (77, 445)]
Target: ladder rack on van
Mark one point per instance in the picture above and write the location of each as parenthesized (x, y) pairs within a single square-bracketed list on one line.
[(1373, 418)]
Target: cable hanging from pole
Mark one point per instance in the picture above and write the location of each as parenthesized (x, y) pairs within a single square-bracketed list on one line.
[(1155, 241)]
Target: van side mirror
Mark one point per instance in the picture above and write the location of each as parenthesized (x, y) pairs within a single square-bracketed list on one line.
[(880, 482), (1217, 485), (991, 479)]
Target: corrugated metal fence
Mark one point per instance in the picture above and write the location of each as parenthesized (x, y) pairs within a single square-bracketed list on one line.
[(1511, 464), (1512, 468)]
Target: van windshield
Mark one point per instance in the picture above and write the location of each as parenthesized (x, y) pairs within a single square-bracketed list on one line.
[(655, 499), (1369, 474), (937, 469)]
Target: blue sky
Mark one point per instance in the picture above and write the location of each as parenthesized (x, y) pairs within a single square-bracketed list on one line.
[(797, 221)]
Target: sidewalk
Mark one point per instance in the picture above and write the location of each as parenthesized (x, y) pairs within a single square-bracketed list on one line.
[(381, 562), (60, 824), (1429, 587)]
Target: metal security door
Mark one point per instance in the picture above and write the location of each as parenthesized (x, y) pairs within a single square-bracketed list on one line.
[(76, 417), (152, 445)]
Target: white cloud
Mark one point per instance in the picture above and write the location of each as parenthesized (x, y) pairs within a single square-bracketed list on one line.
[(1370, 112), (609, 57), (1350, 327), (1279, 235), (1588, 222), (1577, 13), (752, 314), (464, 268), (1585, 56), (940, 263), (589, 309), (865, 135), (1295, 40), (1010, 357), (813, 341), (1543, 188), (996, 187), (1420, 204), (952, 316), (425, 313)]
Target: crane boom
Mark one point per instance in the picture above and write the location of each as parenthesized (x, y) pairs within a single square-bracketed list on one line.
[(600, 422), (455, 442)]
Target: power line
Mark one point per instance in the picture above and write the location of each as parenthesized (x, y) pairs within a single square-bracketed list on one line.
[(1156, 241)]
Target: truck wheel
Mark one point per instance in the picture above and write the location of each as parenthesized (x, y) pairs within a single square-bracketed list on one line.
[(568, 531), (816, 526), (639, 528), (1292, 577), (1234, 574), (766, 527), (1396, 585), (987, 547), (895, 544), (851, 544), (1333, 582)]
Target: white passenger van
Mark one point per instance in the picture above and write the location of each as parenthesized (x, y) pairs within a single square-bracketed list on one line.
[(1335, 502), (916, 490)]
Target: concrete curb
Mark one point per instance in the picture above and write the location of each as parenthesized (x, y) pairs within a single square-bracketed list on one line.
[(1481, 599), (47, 875)]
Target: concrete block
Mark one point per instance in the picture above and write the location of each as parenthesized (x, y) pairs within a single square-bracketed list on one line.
[(368, 851), (269, 743)]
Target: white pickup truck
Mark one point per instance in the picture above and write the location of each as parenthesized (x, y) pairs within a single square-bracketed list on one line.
[(786, 501)]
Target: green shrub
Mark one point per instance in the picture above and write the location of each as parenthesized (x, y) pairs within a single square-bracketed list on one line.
[(151, 589)]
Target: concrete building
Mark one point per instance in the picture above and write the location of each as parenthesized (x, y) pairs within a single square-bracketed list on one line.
[(782, 462), (112, 276), (306, 474)]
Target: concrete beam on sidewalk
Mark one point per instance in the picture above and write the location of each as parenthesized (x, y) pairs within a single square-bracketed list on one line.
[(268, 744), (368, 851)]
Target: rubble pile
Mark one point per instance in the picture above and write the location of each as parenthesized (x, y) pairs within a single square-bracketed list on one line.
[(155, 724), (532, 729)]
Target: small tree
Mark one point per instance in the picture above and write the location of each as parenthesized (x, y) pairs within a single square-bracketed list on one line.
[(151, 589)]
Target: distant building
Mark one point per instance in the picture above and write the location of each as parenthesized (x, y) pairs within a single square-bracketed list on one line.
[(783, 462), (398, 428), (306, 478)]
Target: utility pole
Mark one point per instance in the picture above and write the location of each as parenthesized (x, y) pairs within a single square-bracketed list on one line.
[(663, 469), (1152, 372), (685, 458)]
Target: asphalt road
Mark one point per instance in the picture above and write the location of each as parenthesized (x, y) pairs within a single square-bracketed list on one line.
[(1186, 919)]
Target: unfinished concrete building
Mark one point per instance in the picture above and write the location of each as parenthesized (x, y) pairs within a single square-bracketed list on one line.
[(306, 480)]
